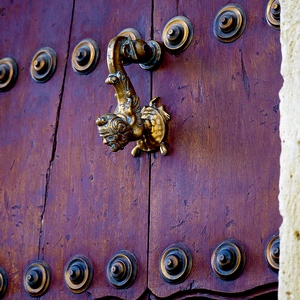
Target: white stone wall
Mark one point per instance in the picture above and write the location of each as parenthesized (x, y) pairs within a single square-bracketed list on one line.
[(289, 196)]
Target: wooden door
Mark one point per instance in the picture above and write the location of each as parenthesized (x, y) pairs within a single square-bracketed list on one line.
[(220, 180), (64, 193), (28, 117)]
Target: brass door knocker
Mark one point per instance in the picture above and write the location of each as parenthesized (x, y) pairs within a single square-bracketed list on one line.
[(146, 126)]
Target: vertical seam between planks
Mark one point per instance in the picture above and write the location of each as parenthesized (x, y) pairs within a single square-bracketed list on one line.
[(149, 155), (54, 138)]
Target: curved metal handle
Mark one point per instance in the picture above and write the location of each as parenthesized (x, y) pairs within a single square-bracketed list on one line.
[(129, 122)]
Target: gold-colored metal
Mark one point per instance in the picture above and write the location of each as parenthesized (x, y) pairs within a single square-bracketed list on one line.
[(131, 32), (3, 282), (178, 34), (122, 269), (273, 252), (37, 278), (78, 274), (229, 23), (273, 14), (129, 122), (8, 73), (228, 259), (175, 263), (85, 56), (43, 65)]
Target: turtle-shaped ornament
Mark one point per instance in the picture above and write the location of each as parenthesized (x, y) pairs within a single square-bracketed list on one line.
[(154, 120)]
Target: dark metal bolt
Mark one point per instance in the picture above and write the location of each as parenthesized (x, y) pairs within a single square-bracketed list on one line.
[(34, 278), (222, 258), (275, 10), (83, 56), (175, 34), (40, 64), (275, 251), (172, 263), (227, 22), (118, 269), (4, 73), (225, 259), (276, 6), (76, 273)]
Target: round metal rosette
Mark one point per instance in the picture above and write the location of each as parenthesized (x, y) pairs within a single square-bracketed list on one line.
[(78, 274), (85, 56), (130, 32), (177, 34), (3, 282), (122, 269), (43, 65), (272, 253), (37, 278), (228, 259), (273, 14), (175, 264), (229, 23), (8, 73)]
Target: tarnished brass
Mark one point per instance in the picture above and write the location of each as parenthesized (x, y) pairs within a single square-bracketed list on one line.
[(175, 263), (8, 73), (228, 259), (178, 34), (131, 32), (3, 282), (129, 122), (122, 269), (85, 56), (273, 14), (43, 65), (37, 278), (229, 23), (273, 252), (78, 274)]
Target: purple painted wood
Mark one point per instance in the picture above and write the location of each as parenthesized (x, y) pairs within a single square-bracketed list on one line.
[(27, 125), (220, 179)]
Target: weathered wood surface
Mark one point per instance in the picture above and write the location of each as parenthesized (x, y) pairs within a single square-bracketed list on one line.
[(220, 179), (99, 199), (63, 193), (27, 125)]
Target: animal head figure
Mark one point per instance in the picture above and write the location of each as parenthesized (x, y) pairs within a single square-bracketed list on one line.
[(116, 133)]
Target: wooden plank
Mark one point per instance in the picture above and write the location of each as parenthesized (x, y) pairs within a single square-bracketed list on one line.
[(99, 199), (27, 124), (220, 179)]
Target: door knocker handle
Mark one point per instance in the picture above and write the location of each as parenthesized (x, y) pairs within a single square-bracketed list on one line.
[(146, 126)]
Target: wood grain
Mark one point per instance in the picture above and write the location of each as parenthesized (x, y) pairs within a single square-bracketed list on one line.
[(98, 198), (27, 125), (63, 193), (220, 180)]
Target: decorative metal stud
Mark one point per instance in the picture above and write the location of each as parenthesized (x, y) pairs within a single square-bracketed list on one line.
[(122, 269), (273, 14), (130, 32), (177, 34), (85, 56), (43, 65), (272, 253), (228, 259), (175, 263), (8, 73), (78, 274), (3, 282), (37, 278), (229, 23)]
